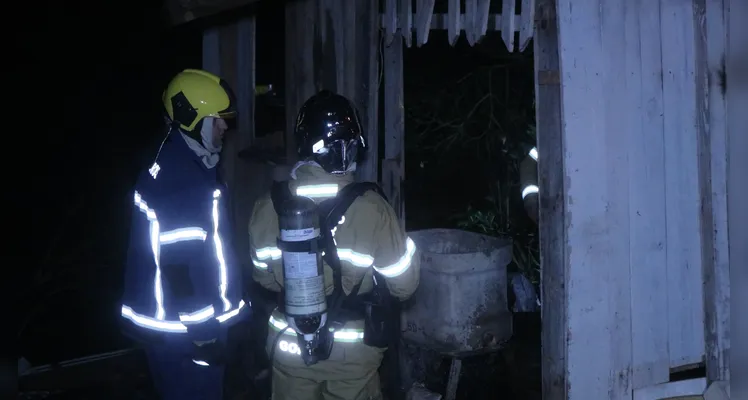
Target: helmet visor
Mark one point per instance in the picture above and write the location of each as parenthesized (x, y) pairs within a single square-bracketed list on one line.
[(336, 157)]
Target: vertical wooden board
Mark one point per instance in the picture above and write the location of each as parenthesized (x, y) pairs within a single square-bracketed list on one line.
[(424, 13), (368, 69), (508, 10), (405, 21), (471, 14), (300, 84), (597, 199), (211, 51), (389, 22), (737, 195), (247, 185), (552, 204), (649, 327), (245, 87), (393, 166), (453, 21), (685, 289), (527, 23), (717, 271)]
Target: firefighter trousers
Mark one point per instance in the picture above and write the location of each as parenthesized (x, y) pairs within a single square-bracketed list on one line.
[(177, 377), (350, 372)]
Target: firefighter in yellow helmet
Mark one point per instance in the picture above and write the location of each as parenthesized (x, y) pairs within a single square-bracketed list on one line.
[(334, 348), (183, 286), (528, 175)]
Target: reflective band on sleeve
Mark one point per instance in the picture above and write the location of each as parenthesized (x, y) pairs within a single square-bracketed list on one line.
[(201, 363), (528, 190), (402, 265), (342, 335), (533, 153)]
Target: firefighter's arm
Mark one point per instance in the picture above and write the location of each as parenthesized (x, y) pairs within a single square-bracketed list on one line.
[(528, 171), (395, 255), (263, 234)]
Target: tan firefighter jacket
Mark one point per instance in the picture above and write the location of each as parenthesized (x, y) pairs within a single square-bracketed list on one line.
[(368, 236), (528, 175)]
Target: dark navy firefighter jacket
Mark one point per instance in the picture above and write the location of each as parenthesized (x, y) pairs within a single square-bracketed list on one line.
[(182, 279)]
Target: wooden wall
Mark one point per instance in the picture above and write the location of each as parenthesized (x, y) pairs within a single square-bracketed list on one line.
[(633, 207), (333, 45)]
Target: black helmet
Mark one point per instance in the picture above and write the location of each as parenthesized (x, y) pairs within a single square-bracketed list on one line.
[(329, 132)]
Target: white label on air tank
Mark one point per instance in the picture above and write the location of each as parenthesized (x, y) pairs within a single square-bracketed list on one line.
[(304, 284)]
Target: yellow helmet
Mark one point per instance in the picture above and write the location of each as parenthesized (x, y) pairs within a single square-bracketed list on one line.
[(195, 94)]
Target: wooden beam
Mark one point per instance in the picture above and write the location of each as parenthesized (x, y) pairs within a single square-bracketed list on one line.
[(183, 11), (393, 166), (368, 74), (299, 48), (552, 202), (211, 50), (714, 191), (245, 80), (670, 390)]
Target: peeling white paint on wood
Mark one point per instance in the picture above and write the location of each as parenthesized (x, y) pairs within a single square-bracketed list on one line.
[(682, 109), (649, 327), (596, 168)]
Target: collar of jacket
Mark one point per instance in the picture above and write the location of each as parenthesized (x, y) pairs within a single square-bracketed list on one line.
[(309, 173)]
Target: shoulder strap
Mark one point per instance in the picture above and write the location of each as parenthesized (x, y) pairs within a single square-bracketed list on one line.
[(279, 193), (331, 211)]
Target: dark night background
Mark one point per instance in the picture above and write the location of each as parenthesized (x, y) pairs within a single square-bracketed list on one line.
[(93, 73)]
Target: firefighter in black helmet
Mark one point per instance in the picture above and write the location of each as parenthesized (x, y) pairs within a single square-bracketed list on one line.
[(372, 255)]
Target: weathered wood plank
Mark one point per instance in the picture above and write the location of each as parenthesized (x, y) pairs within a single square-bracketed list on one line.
[(454, 23), (597, 225), (469, 19), (481, 19), (717, 269), (300, 74), (552, 203), (527, 23), (424, 13), (368, 69), (682, 111), (247, 184), (649, 328), (508, 21), (245, 80), (737, 195), (405, 21), (211, 51), (389, 20), (393, 166)]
